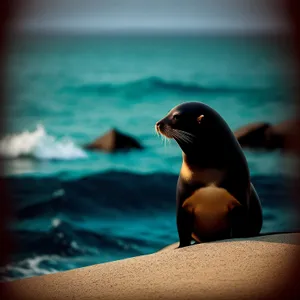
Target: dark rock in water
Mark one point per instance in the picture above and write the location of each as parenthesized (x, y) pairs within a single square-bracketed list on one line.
[(265, 135), (253, 135), (112, 141), (282, 133)]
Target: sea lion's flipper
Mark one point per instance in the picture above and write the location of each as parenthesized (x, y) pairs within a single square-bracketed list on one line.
[(238, 220), (255, 213), (185, 227)]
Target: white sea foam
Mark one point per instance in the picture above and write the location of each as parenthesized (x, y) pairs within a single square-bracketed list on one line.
[(58, 193), (40, 145), (56, 222), (30, 267)]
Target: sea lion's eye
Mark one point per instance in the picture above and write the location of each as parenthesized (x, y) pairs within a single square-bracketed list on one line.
[(176, 116)]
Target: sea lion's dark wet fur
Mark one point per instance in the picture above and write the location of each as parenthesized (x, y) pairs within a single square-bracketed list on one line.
[(212, 157)]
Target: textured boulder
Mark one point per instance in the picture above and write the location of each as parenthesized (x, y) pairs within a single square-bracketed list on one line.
[(112, 141)]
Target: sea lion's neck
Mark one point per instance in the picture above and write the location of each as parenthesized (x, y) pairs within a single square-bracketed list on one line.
[(193, 161), (201, 174), (202, 156), (195, 150), (192, 150)]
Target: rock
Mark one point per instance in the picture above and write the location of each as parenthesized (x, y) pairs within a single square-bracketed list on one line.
[(112, 141), (281, 133), (253, 135), (264, 135)]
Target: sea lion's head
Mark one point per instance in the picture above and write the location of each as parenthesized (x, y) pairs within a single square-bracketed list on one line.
[(189, 122)]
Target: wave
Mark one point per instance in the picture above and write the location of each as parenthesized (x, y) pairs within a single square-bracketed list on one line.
[(157, 85), (65, 246), (62, 224), (66, 240), (39, 252), (40, 145), (32, 266), (101, 195), (116, 193)]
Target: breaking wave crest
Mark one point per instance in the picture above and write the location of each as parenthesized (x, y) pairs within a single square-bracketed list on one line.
[(40, 145)]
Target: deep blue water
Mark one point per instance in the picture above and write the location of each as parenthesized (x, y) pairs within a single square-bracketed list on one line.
[(75, 208)]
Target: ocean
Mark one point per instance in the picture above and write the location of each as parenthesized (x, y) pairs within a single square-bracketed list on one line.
[(73, 208)]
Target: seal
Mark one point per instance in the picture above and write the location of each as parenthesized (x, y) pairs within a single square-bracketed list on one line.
[(215, 198)]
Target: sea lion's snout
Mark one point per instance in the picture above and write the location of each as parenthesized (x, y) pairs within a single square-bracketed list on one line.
[(163, 127), (159, 125)]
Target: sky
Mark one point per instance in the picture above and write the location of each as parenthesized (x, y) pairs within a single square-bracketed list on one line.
[(150, 15)]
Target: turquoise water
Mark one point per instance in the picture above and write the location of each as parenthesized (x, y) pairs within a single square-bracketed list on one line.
[(76, 208), (77, 89)]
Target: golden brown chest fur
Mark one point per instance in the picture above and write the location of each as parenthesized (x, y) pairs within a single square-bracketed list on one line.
[(207, 177), (209, 205)]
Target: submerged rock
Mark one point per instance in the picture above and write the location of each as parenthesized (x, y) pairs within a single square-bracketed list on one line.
[(113, 141)]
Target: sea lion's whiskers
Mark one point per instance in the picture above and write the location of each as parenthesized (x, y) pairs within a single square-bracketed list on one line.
[(178, 136), (187, 136), (162, 136), (165, 140), (183, 136), (168, 135), (186, 133)]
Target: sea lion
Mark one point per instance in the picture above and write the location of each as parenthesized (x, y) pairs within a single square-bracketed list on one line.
[(215, 197)]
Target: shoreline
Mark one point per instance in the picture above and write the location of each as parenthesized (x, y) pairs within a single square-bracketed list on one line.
[(243, 268)]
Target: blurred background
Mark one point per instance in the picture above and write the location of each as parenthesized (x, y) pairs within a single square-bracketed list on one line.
[(77, 69)]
